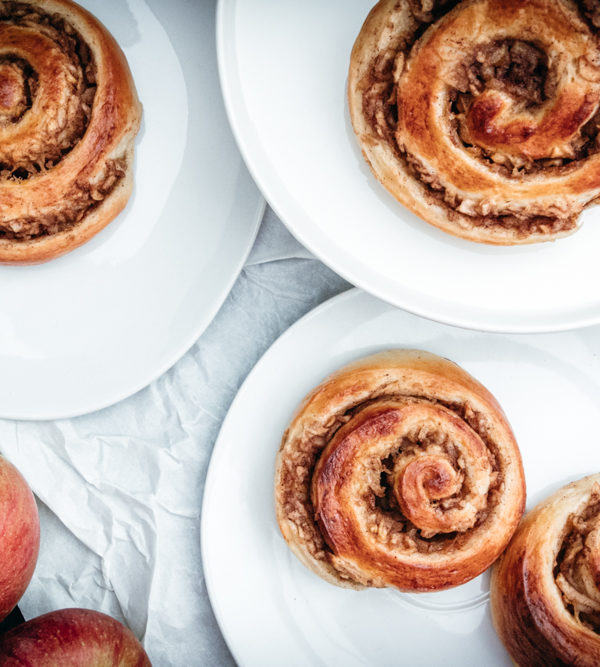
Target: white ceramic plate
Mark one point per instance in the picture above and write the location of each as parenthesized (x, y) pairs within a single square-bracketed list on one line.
[(283, 69), (272, 610), (93, 327)]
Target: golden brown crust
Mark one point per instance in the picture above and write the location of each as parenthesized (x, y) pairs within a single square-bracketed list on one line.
[(66, 163), (487, 125), (545, 594), (399, 470)]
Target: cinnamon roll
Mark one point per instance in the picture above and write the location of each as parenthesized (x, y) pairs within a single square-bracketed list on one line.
[(546, 587), (482, 117), (69, 114), (399, 470)]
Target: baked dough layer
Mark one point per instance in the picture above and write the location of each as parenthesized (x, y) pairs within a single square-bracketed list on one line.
[(399, 470), (545, 590), (69, 114), (482, 117)]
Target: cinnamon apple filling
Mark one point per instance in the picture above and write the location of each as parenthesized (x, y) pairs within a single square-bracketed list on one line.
[(18, 83), (577, 569), (398, 470), (514, 101), (423, 490), (83, 198), (47, 91), (520, 70)]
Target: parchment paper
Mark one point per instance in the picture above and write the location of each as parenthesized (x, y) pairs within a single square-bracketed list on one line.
[(120, 490)]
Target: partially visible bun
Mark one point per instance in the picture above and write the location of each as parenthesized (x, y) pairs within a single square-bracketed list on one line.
[(69, 114), (546, 587)]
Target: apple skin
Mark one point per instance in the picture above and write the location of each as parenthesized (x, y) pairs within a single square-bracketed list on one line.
[(72, 638), (19, 536)]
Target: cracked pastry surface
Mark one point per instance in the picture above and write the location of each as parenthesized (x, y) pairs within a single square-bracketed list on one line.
[(69, 114), (482, 117), (399, 470), (546, 587)]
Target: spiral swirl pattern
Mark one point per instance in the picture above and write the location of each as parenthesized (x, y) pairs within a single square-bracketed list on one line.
[(399, 470), (546, 587), (483, 117), (68, 116)]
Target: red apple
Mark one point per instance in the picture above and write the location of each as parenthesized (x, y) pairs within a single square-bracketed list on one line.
[(72, 638), (19, 536)]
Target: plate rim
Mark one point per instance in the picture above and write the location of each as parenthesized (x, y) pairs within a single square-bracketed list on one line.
[(251, 232), (172, 359), (211, 475), (479, 319)]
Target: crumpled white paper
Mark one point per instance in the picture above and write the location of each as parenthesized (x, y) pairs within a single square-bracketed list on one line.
[(120, 490)]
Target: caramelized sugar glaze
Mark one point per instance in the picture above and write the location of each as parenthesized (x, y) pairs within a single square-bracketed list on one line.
[(399, 470), (482, 116), (546, 587), (68, 116)]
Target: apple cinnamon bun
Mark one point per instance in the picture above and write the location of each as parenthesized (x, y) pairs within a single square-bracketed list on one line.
[(546, 587), (482, 117), (69, 114), (399, 470)]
